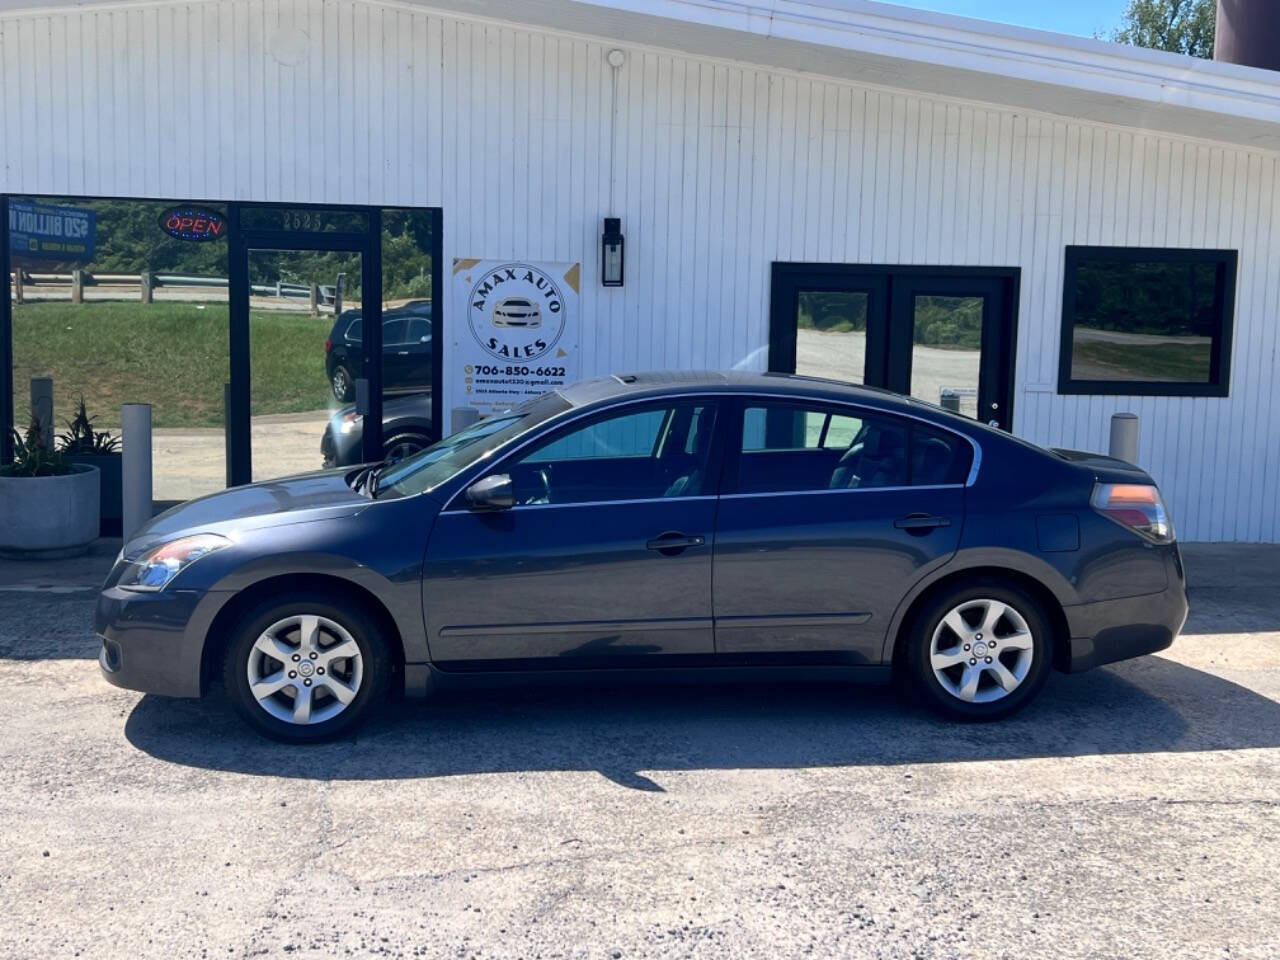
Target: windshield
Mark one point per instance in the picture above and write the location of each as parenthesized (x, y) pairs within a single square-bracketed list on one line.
[(440, 461)]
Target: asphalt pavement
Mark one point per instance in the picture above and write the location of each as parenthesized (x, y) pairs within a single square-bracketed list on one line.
[(1130, 812)]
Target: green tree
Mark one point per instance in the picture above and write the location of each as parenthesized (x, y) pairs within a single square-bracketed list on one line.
[(1178, 26)]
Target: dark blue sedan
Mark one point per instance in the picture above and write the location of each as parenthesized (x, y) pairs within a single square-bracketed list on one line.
[(741, 525)]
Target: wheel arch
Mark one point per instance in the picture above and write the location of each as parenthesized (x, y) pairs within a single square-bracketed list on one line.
[(218, 636), (951, 578)]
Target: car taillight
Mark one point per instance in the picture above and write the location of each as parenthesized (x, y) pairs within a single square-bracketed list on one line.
[(328, 345), (1134, 505)]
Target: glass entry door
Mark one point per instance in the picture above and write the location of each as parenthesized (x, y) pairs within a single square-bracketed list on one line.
[(306, 353), (942, 335), (950, 341)]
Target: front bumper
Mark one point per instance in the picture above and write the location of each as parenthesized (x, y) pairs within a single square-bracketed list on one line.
[(338, 449), (153, 641), (1110, 630)]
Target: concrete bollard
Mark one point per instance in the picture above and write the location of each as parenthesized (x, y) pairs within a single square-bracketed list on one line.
[(462, 418), (42, 409), (1124, 437), (18, 293), (135, 435), (145, 285), (337, 294), (315, 300), (77, 286)]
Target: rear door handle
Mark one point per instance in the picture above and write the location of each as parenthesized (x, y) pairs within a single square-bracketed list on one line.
[(671, 544), (922, 522)]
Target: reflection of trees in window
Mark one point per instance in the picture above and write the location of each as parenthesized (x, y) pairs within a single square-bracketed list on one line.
[(406, 254), (948, 322), (129, 240), (832, 312), (1170, 299)]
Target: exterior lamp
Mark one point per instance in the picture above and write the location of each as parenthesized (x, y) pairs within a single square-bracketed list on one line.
[(611, 244)]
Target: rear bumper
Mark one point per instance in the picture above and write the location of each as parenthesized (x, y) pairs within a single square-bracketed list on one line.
[(153, 642), (1111, 630)]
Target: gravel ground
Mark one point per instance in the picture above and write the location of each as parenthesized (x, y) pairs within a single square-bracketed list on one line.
[(1131, 812)]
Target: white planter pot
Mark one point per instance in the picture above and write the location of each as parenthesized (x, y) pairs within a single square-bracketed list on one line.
[(49, 516)]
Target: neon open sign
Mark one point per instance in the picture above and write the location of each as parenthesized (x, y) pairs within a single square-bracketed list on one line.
[(193, 223)]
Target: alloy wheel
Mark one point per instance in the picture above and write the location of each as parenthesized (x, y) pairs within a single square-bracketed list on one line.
[(981, 651), (403, 449), (305, 669), (341, 384)]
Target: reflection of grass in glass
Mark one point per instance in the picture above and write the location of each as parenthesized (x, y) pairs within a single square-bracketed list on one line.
[(171, 355), (1179, 362)]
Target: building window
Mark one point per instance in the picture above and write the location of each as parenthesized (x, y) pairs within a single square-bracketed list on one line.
[(1149, 322)]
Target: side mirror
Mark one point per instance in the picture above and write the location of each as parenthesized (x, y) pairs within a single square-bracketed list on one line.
[(494, 492)]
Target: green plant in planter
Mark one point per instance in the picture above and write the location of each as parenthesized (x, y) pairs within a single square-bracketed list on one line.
[(32, 457), (81, 439)]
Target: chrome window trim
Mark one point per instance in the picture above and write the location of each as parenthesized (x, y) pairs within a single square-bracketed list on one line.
[(526, 441), (596, 503), (814, 493)]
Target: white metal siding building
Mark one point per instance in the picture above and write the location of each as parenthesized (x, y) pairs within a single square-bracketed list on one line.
[(733, 136)]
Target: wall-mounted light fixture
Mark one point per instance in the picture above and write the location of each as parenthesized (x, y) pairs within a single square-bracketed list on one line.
[(611, 261)]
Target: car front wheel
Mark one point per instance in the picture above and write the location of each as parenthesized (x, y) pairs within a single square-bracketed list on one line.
[(303, 669), (980, 652), (403, 445)]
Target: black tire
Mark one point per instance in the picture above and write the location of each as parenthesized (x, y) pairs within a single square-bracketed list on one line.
[(919, 648), (404, 440), (344, 388), (373, 676)]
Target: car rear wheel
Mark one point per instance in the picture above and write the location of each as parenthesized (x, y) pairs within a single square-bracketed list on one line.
[(343, 385), (980, 652), (303, 669)]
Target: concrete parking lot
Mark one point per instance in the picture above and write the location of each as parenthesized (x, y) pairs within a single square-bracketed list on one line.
[(1131, 812)]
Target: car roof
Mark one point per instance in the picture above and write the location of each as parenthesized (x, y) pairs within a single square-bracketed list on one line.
[(724, 381), (786, 385)]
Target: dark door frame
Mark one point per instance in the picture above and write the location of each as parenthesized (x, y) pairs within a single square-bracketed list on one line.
[(889, 289), (367, 243)]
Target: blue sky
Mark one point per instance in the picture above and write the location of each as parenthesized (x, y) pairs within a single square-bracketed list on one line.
[(1081, 17)]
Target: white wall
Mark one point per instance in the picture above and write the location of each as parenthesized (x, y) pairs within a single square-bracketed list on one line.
[(721, 169)]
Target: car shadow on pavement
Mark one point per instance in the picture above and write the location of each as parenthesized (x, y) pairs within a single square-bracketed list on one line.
[(1144, 706)]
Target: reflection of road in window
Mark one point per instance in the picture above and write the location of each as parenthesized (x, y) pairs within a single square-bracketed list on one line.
[(947, 351)]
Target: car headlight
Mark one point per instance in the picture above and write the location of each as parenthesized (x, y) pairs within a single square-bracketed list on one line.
[(159, 565), (350, 422)]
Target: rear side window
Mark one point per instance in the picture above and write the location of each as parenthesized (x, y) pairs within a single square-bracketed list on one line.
[(791, 448), (353, 331)]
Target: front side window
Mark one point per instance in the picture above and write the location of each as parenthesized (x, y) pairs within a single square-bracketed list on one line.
[(790, 448), (448, 457), (1147, 321), (648, 454)]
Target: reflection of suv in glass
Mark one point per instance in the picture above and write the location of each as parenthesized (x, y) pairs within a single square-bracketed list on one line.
[(517, 312), (406, 350)]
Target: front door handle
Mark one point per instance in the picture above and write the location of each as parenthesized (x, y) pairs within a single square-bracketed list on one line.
[(672, 543), (921, 523)]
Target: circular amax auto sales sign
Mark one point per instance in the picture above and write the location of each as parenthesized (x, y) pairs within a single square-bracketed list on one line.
[(516, 312)]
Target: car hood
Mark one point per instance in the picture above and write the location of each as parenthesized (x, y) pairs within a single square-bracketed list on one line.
[(310, 496)]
